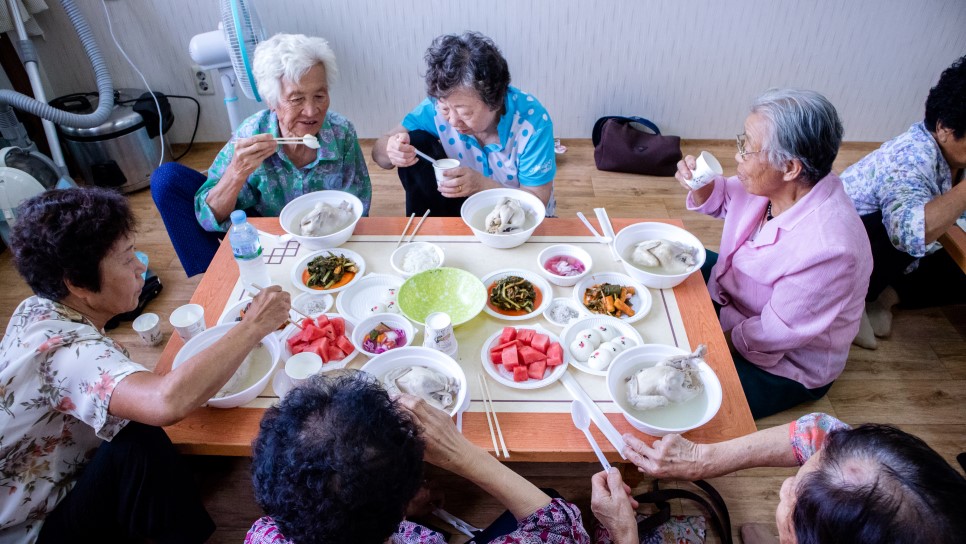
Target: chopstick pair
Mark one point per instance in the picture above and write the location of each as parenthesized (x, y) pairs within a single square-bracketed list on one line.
[(488, 398), (410, 222), (296, 323)]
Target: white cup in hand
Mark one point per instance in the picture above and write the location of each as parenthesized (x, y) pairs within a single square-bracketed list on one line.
[(705, 169), (443, 165)]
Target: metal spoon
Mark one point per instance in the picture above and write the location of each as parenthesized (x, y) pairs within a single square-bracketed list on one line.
[(582, 421)]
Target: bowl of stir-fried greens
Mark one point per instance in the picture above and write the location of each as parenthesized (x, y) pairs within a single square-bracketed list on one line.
[(328, 270)]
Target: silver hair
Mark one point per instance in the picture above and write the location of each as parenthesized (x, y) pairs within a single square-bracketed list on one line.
[(289, 56), (802, 125)]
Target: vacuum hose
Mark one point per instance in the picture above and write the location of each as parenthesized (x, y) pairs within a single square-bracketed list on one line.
[(105, 88)]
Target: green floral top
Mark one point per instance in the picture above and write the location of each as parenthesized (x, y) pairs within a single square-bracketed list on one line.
[(339, 166), (57, 374)]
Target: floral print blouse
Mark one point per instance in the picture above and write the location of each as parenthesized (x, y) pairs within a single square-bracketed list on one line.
[(339, 166), (557, 523), (57, 374), (807, 434), (898, 179)]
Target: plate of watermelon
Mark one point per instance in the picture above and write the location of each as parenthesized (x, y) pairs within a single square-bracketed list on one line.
[(524, 357), (325, 334)]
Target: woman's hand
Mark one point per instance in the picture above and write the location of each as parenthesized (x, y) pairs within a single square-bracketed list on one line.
[(614, 507), (464, 181), (269, 310), (399, 151), (669, 457), (445, 446), (250, 153), (686, 168)]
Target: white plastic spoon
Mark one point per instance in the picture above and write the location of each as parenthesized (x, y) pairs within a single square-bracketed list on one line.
[(307, 140), (582, 421), (425, 156)]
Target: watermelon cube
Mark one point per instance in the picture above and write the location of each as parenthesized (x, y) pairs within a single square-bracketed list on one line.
[(520, 374), (496, 357), (344, 344), (530, 355), (335, 354), (540, 342), (553, 360), (321, 320), (311, 333), (500, 347), (306, 322), (329, 331), (293, 340), (509, 334), (525, 335), (321, 347), (509, 357), (536, 370), (339, 325)]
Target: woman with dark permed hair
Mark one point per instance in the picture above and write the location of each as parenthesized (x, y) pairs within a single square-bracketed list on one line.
[(83, 457), (339, 461), (502, 136), (909, 192)]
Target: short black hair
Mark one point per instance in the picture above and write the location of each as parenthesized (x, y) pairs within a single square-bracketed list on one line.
[(468, 60), (337, 461), (876, 483), (64, 234), (946, 102)]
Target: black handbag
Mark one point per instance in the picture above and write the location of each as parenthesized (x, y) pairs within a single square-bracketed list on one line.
[(623, 144)]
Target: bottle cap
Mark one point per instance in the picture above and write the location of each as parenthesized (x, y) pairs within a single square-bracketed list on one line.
[(238, 216)]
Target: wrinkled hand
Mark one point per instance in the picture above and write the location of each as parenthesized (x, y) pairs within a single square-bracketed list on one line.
[(685, 168), (269, 310), (669, 457), (445, 446), (463, 181), (399, 151), (250, 153), (613, 506)]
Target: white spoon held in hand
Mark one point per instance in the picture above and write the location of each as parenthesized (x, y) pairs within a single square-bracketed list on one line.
[(308, 140), (582, 421)]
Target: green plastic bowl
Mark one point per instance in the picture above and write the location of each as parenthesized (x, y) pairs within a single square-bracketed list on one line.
[(451, 290)]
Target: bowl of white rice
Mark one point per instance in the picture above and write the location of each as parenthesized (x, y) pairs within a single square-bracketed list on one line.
[(416, 257)]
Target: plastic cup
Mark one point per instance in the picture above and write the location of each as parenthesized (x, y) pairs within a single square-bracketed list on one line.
[(443, 165), (439, 333), (706, 168), (148, 327), (301, 366), (188, 320)]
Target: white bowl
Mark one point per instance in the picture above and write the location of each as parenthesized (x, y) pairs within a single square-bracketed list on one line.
[(233, 315), (396, 259), (503, 376), (410, 356), (675, 418), (395, 321), (568, 251), (569, 303), (205, 339), (545, 290), (640, 302), (631, 235), (294, 211), (569, 334), (299, 268), (476, 208)]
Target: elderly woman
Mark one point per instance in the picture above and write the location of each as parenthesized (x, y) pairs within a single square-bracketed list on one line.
[(909, 192), (253, 172), (501, 136), (83, 456), (870, 484), (338, 460), (794, 262)]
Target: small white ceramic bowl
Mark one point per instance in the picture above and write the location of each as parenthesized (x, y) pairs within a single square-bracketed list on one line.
[(294, 211), (205, 339), (567, 302), (312, 303), (395, 321), (654, 422), (476, 208), (628, 238), (564, 250), (410, 356), (396, 259)]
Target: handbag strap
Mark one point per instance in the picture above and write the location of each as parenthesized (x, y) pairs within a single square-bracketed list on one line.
[(599, 125), (716, 507)]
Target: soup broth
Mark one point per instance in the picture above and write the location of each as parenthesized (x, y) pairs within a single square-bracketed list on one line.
[(674, 415), (256, 364)]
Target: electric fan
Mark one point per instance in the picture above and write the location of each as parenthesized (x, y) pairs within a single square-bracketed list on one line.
[(229, 50)]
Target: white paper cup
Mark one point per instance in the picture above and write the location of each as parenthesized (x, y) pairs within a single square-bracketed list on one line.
[(443, 165), (188, 320), (148, 327), (439, 332), (706, 168), (301, 366)]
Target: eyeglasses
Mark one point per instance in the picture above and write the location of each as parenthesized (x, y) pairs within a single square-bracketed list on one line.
[(742, 140)]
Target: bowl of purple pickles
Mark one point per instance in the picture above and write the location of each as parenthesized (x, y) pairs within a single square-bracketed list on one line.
[(564, 264), (380, 333)]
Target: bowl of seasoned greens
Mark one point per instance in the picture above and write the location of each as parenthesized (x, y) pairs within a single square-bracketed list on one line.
[(328, 270), (516, 294)]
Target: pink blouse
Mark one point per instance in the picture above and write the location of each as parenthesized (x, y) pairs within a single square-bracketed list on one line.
[(791, 297)]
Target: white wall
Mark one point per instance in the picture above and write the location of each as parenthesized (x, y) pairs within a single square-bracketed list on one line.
[(690, 66)]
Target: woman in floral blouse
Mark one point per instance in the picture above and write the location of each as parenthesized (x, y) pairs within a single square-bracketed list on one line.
[(870, 484), (82, 454), (339, 461)]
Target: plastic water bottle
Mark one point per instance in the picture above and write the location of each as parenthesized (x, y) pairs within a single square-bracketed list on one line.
[(247, 250)]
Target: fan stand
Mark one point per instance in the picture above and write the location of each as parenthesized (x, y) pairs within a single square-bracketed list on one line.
[(228, 83)]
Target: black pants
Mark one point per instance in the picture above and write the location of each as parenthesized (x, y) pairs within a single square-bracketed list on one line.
[(419, 180), (135, 487), (937, 280)]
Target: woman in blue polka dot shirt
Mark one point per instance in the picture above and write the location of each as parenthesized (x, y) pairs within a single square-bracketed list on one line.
[(502, 136)]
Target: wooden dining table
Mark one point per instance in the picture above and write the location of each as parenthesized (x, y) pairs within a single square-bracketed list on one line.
[(954, 241), (542, 437)]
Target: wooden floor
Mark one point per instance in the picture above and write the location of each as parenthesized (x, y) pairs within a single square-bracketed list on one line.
[(915, 380)]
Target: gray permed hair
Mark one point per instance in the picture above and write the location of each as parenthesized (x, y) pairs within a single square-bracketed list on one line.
[(289, 56)]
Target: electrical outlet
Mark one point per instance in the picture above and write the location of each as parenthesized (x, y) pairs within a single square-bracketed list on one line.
[(202, 80)]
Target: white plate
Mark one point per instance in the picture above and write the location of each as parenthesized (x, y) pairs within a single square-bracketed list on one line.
[(538, 281), (640, 302), (500, 374), (569, 333), (355, 301), (297, 270), (291, 330)]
